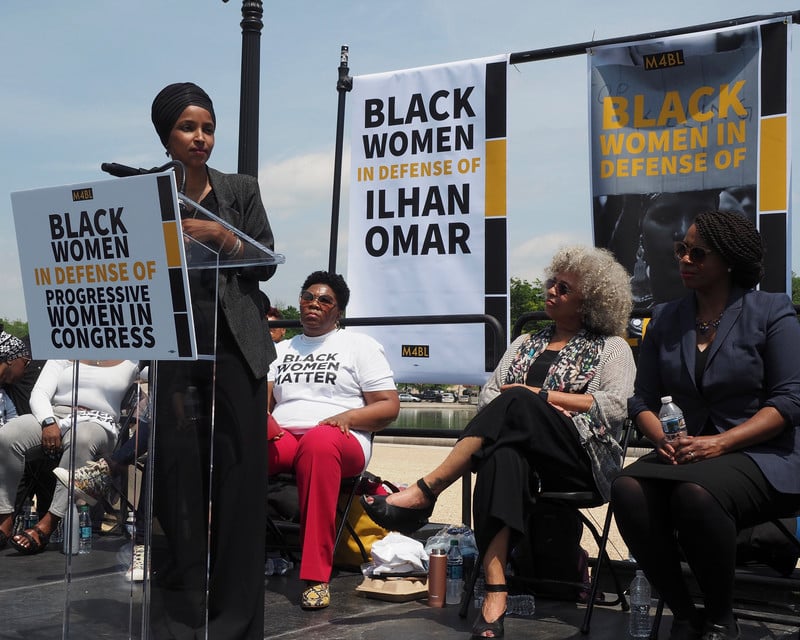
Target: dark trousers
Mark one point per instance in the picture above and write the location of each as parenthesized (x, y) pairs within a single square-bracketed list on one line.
[(188, 475), (526, 441)]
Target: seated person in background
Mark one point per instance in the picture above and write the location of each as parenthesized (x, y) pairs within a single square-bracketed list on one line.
[(46, 432), (94, 480), (18, 374), (276, 333), (329, 389), (730, 358), (15, 356), (551, 413)]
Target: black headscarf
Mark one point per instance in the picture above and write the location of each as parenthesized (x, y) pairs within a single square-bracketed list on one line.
[(170, 102)]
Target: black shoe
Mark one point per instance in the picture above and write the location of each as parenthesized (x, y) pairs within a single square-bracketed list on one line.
[(722, 632), (403, 519), (481, 627)]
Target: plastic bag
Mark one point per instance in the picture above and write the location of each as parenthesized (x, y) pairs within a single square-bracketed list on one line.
[(396, 554)]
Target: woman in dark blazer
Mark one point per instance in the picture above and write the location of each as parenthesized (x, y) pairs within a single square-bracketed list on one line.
[(730, 358), (206, 476)]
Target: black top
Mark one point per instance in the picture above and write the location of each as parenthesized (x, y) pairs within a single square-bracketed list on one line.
[(539, 368)]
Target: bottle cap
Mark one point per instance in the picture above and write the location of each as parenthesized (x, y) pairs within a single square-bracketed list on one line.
[(453, 542), (666, 399), (438, 551)]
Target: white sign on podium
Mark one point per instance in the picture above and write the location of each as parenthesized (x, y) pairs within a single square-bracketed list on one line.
[(98, 282)]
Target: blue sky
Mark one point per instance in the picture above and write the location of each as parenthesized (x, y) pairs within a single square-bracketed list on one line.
[(78, 78)]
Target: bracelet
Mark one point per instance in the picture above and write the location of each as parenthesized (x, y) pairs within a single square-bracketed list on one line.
[(235, 250)]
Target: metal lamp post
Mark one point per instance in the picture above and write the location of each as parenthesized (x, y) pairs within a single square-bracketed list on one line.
[(252, 12)]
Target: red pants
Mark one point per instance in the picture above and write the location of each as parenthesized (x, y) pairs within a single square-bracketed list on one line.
[(320, 459)]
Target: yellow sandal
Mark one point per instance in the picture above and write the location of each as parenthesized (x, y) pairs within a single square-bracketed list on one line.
[(317, 596)]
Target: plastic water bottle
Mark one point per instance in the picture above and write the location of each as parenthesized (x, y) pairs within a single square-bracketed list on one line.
[(469, 551), (639, 621), (282, 566), (191, 404), (31, 515), (455, 574), (57, 537), (24, 519), (277, 566), (74, 532), (84, 530), (522, 605), (479, 592), (2, 407), (30, 518), (672, 421)]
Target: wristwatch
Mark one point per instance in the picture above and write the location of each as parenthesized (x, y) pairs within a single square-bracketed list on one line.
[(48, 422), (543, 394)]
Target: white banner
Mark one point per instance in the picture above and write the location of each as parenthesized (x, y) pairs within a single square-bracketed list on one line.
[(102, 270), (427, 213)]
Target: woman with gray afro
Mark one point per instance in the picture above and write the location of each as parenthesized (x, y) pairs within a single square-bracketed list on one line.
[(729, 356), (551, 412)]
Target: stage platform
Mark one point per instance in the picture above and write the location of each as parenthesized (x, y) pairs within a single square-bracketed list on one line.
[(32, 601)]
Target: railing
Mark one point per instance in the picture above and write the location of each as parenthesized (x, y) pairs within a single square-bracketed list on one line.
[(492, 323), (498, 348)]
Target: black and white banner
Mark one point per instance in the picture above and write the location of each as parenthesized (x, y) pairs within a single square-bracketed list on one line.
[(427, 232)]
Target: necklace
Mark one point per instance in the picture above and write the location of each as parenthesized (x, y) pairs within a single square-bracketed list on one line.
[(703, 326)]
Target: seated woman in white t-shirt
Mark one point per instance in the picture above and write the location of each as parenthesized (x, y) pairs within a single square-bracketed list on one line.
[(46, 432), (328, 390)]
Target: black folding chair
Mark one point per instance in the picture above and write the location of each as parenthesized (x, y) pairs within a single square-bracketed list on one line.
[(283, 535)]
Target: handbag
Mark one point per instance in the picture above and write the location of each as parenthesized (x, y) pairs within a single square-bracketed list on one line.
[(354, 550)]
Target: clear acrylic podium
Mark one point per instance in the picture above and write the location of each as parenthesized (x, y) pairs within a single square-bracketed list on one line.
[(193, 444), (84, 596)]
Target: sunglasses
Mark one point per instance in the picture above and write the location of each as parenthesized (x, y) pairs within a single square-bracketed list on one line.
[(562, 288), (697, 255), (324, 299)]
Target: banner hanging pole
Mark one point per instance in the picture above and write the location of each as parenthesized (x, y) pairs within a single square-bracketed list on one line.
[(343, 85), (581, 47)]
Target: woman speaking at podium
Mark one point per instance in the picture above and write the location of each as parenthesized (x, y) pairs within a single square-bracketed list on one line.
[(209, 472)]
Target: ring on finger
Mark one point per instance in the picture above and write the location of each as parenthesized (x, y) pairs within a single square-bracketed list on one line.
[(691, 455)]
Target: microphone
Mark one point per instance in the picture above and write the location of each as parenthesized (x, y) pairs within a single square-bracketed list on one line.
[(121, 170)]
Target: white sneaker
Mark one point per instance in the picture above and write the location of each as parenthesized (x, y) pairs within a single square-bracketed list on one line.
[(135, 572)]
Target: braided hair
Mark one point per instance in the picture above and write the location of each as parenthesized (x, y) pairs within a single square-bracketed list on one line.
[(738, 243)]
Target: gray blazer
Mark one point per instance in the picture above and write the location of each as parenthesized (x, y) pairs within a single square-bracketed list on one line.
[(753, 362), (239, 298)]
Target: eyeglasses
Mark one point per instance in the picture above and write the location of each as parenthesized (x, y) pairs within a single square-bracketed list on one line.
[(324, 299), (697, 255), (562, 288)]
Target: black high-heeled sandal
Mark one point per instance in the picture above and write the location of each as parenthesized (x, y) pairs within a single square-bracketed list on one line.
[(406, 520), (496, 628)]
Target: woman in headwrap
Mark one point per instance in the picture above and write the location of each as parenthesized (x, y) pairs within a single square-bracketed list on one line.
[(206, 477)]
